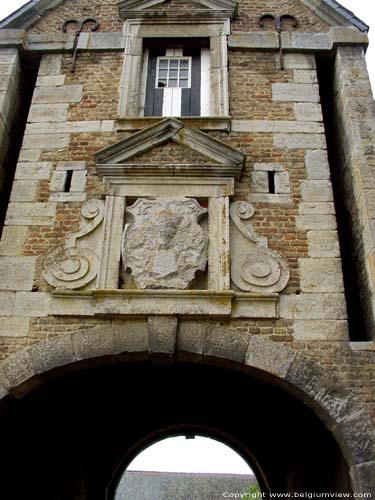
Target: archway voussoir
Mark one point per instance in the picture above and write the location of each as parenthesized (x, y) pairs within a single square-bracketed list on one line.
[(3, 391), (363, 478), (131, 338), (357, 437), (48, 355), (191, 341), (226, 343), (270, 357), (324, 394), (16, 369), (93, 343)]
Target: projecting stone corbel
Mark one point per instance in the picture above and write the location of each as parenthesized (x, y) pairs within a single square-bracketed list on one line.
[(254, 267)]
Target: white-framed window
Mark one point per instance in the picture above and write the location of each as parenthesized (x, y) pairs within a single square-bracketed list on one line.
[(140, 94), (173, 72)]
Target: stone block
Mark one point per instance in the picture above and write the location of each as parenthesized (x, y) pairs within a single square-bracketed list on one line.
[(64, 127), (316, 191), (282, 184), (162, 334), (305, 76), (71, 165), (226, 343), (14, 327), (295, 92), (268, 356), (50, 81), (131, 337), (277, 126), (50, 65), (17, 273), (191, 337), (317, 222), (299, 61), (55, 95), (32, 155), (31, 214), (321, 275), (364, 477), (45, 141), (299, 141), (310, 41), (33, 170), (356, 435), (323, 244), (24, 190), (321, 330), (67, 197), (12, 240), (278, 199), (48, 355), (317, 165), (259, 182), (324, 208), (92, 343), (33, 304), (16, 369), (106, 41), (44, 113), (319, 306), (7, 303), (58, 181), (78, 181), (268, 167), (308, 111)]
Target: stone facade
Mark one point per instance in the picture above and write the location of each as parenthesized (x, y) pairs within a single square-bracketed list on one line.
[(237, 256)]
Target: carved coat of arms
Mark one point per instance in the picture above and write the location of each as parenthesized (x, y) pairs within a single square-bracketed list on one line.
[(163, 244)]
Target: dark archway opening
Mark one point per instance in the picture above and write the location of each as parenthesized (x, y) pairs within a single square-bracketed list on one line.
[(67, 439)]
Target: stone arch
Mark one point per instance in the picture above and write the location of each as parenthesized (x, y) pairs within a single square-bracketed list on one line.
[(160, 339)]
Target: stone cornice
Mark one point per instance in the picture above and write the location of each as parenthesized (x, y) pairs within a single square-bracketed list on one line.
[(256, 40)]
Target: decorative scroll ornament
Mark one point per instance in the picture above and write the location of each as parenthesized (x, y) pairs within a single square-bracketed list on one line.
[(164, 246), (72, 266), (254, 268)]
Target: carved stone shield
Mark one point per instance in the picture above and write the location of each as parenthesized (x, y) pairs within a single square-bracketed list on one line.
[(163, 244)]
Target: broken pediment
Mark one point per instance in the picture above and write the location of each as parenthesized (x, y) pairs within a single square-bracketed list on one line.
[(128, 157)]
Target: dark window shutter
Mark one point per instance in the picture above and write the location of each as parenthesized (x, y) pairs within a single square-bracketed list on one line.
[(191, 98), (154, 96)]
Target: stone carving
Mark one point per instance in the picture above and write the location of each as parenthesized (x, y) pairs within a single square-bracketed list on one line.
[(254, 267), (164, 246), (70, 265)]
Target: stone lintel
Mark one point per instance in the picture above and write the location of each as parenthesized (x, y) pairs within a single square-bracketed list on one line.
[(164, 302)]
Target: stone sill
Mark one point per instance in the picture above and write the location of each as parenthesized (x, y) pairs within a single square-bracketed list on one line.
[(184, 302), (362, 346), (222, 123)]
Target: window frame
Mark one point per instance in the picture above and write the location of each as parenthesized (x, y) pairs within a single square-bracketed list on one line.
[(132, 91)]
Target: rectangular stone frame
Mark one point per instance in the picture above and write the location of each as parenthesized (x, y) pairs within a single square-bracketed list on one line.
[(135, 30)]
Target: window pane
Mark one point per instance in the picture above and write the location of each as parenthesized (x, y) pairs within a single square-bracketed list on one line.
[(184, 63), (163, 73), (173, 73), (173, 83), (163, 63), (184, 73), (173, 63), (184, 83), (162, 83)]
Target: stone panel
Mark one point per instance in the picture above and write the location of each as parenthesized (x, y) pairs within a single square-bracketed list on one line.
[(17, 273)]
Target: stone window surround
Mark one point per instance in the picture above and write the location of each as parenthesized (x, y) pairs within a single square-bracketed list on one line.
[(260, 184), (77, 191), (133, 84)]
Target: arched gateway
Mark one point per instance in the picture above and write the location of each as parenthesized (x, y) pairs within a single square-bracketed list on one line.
[(108, 393)]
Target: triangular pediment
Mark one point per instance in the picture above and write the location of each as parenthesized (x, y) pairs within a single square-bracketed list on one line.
[(134, 155), (141, 8)]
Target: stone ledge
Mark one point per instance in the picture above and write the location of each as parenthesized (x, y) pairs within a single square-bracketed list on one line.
[(200, 122), (163, 302)]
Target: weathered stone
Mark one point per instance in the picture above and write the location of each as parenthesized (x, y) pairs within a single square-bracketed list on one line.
[(14, 327), (45, 141), (277, 126), (299, 61), (67, 197), (322, 330), (50, 81), (44, 113), (58, 180), (32, 304), (323, 244), (70, 165), (33, 171), (17, 273), (282, 184), (269, 357), (311, 208), (305, 76), (295, 92), (363, 477), (55, 95), (24, 190), (191, 338), (16, 369), (317, 222), (313, 306), (299, 141), (162, 334), (47, 355), (308, 111), (317, 165), (12, 240), (259, 182), (92, 343), (321, 275), (50, 65), (131, 337), (7, 303), (226, 343), (78, 181), (356, 435), (32, 155), (316, 191), (31, 214)]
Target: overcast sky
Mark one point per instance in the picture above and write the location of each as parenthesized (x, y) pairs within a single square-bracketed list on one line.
[(201, 455)]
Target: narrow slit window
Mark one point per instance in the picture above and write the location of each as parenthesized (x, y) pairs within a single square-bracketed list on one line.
[(68, 181), (173, 72), (271, 182)]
